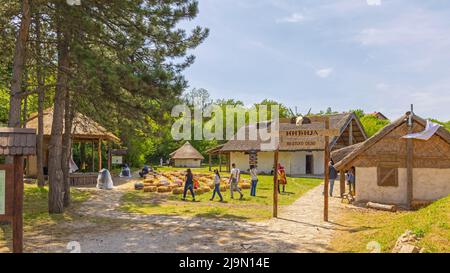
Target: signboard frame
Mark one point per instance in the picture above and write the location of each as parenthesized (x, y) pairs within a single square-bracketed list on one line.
[(9, 192)]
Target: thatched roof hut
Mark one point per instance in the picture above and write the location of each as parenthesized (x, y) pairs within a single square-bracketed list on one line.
[(382, 162), (187, 156), (83, 127)]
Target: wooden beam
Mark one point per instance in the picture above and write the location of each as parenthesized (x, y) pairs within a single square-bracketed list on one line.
[(409, 170), (18, 205), (220, 162), (275, 184), (93, 152), (109, 155), (327, 172), (350, 134)]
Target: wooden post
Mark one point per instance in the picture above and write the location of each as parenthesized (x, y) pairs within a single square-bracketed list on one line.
[(109, 155), (327, 172), (99, 152), (342, 182), (210, 162), (93, 152), (220, 162), (18, 205), (275, 184), (409, 163)]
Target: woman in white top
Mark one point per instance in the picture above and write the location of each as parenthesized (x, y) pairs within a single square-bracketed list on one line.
[(254, 177), (216, 186)]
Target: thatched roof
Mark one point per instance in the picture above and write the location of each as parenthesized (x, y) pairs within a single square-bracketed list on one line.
[(345, 156), (83, 127), (337, 121), (187, 151), (17, 141)]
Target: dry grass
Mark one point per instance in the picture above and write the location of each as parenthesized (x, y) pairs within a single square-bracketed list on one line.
[(432, 224)]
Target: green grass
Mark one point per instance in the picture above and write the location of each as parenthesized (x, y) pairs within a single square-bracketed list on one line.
[(35, 212), (250, 208), (432, 224)]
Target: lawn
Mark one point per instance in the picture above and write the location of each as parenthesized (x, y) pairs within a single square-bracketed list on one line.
[(250, 208), (432, 224), (35, 213)]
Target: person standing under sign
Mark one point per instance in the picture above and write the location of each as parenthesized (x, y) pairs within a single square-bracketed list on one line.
[(332, 177), (254, 177)]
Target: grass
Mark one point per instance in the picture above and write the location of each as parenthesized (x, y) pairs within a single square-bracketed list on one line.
[(35, 212), (431, 224), (250, 208)]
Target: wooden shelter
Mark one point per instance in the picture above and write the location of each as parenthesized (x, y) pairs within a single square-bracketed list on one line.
[(394, 170), (297, 161), (187, 156), (84, 130)]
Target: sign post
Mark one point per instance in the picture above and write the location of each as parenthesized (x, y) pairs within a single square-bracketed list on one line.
[(298, 137), (15, 142)]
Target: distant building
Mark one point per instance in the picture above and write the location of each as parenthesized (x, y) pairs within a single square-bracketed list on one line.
[(297, 162), (186, 156), (381, 165)]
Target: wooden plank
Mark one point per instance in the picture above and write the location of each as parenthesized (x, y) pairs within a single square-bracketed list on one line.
[(275, 184), (327, 173)]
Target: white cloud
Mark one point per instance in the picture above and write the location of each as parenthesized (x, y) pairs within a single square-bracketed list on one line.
[(374, 2), (324, 72), (293, 18)]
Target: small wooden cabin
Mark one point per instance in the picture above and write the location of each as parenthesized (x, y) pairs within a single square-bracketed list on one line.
[(381, 165), (187, 156)]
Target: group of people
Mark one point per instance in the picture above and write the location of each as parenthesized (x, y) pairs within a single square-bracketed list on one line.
[(349, 177), (235, 176)]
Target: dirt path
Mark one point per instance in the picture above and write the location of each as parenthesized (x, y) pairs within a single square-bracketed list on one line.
[(299, 228)]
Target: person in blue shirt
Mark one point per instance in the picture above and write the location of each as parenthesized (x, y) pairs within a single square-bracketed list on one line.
[(332, 177)]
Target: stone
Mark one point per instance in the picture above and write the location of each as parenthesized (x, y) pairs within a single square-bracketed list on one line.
[(407, 248)]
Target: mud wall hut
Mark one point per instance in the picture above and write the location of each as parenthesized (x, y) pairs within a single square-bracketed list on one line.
[(186, 157)]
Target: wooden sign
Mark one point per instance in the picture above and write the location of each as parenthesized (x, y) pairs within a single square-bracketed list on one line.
[(6, 192), (295, 131), (117, 160)]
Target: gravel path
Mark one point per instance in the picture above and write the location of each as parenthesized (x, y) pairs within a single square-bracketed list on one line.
[(299, 228)]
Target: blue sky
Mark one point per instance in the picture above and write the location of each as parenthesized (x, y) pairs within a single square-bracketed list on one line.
[(378, 55)]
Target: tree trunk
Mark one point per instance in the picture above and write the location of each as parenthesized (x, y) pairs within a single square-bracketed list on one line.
[(56, 176), (83, 155), (18, 66), (41, 99), (67, 147)]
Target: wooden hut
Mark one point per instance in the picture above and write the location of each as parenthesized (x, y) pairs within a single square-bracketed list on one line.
[(187, 156), (84, 130), (391, 171), (297, 162)]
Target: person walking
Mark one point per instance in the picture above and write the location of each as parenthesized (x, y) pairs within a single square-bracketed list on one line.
[(235, 175), (332, 177), (351, 181), (254, 177), (216, 186), (281, 177), (189, 185)]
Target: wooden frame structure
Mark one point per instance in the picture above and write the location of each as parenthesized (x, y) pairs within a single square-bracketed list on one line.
[(15, 143)]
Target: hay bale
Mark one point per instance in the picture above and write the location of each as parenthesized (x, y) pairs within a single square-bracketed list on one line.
[(245, 186), (150, 189), (177, 191), (223, 188), (164, 189), (206, 189), (149, 180), (139, 186)]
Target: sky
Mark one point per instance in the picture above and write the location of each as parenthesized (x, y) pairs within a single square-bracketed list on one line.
[(376, 55)]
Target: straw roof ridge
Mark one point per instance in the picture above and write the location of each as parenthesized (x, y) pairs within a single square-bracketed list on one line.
[(349, 153), (187, 151), (83, 126)]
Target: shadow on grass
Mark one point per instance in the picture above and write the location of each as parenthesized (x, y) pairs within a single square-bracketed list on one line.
[(220, 215)]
